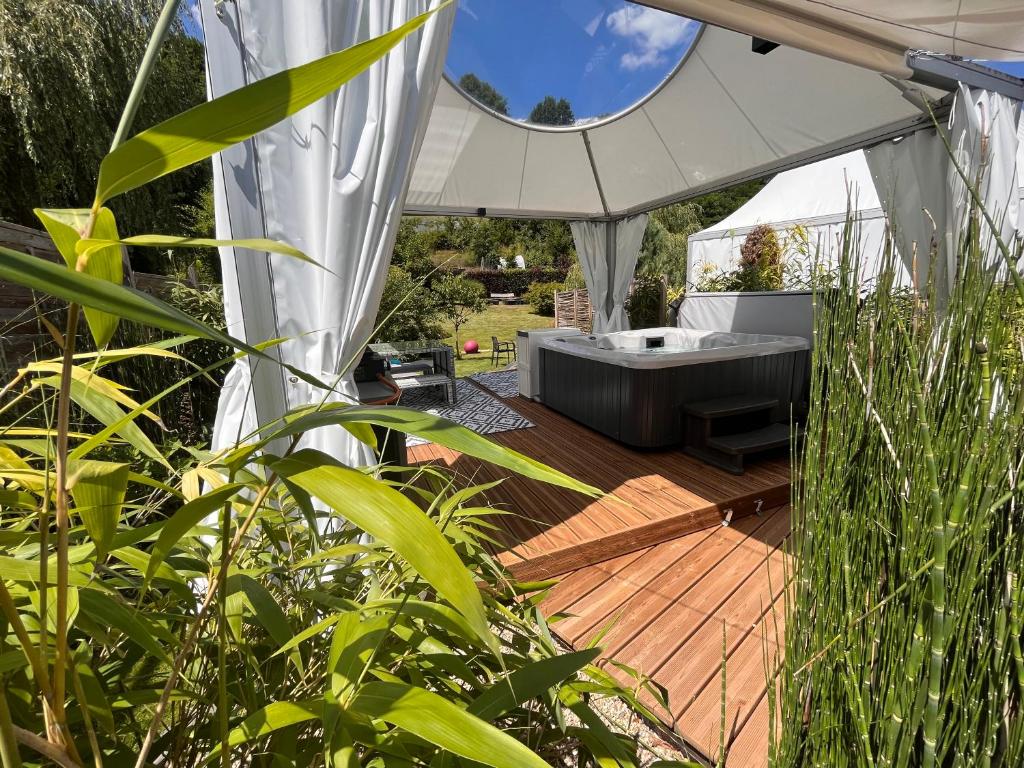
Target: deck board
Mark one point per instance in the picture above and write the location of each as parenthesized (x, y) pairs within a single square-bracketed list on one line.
[(665, 490), (651, 567)]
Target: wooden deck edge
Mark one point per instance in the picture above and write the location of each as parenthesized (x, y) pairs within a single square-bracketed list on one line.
[(565, 559)]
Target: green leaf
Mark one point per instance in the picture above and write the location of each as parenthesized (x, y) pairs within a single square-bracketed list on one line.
[(602, 741), (95, 696), (391, 517), (98, 489), (106, 411), (529, 682), (65, 227), (430, 427), (127, 303), (267, 610), (106, 611), (316, 630), (260, 244), (438, 721), (205, 130), (270, 718), (184, 520), (19, 569)]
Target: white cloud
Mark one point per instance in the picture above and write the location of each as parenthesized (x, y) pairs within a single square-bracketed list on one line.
[(650, 34)]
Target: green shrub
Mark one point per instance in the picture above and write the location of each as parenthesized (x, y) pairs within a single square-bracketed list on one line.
[(644, 304), (574, 279), (407, 310), (541, 297)]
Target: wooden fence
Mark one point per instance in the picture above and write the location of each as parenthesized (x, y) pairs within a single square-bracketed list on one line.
[(572, 310), (23, 333)]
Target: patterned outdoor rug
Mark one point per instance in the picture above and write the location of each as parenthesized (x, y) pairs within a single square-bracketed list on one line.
[(501, 383), (475, 409)]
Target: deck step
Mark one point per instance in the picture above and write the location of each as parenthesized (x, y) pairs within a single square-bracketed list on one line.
[(736, 405), (742, 443)]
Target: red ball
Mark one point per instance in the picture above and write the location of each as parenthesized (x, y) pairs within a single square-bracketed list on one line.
[(471, 347)]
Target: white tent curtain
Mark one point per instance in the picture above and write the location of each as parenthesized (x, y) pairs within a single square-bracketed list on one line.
[(608, 251), (629, 236), (910, 177), (591, 240), (330, 180), (922, 190)]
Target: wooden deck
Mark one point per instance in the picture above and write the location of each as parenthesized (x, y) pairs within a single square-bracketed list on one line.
[(653, 561)]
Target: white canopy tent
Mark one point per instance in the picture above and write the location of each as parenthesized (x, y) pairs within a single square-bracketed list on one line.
[(807, 207), (333, 179)]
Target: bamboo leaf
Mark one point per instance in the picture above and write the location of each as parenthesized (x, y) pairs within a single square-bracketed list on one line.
[(106, 411), (429, 427), (391, 517), (204, 130), (87, 247), (65, 227), (187, 517), (429, 716), (106, 611), (273, 717), (267, 610), (22, 570), (95, 696), (528, 682), (98, 489)]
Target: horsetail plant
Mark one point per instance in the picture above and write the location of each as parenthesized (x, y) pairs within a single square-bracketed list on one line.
[(903, 626)]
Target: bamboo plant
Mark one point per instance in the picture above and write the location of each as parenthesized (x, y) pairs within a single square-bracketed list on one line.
[(331, 614)]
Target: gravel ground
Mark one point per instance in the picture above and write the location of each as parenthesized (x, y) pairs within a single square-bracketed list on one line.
[(655, 741)]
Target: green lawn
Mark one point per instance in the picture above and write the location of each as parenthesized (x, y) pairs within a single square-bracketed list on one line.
[(496, 320)]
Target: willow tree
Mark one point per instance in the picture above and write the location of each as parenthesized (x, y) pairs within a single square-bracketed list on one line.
[(64, 58)]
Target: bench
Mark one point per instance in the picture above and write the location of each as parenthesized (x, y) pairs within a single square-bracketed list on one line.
[(504, 298), (724, 431)]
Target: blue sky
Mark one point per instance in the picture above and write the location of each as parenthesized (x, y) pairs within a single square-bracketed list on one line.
[(601, 55)]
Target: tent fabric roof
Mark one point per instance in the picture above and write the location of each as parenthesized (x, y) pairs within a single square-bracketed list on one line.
[(872, 33), (820, 191), (725, 115)]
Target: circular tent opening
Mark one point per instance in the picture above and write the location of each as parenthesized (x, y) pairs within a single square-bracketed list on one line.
[(564, 64)]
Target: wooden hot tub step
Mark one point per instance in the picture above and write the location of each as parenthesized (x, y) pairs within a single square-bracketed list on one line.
[(754, 441)]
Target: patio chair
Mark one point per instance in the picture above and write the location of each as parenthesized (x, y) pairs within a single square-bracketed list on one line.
[(499, 348)]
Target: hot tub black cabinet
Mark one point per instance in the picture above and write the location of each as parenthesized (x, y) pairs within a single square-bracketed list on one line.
[(642, 407)]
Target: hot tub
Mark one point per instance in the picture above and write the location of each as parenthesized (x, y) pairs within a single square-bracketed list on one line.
[(631, 385)]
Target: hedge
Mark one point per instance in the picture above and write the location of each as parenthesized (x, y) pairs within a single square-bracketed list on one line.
[(517, 281)]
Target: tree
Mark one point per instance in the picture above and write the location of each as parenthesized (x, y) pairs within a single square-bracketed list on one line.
[(413, 246), (663, 251), (550, 111), (484, 92), (715, 206), (71, 64), (407, 310), (457, 299)]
